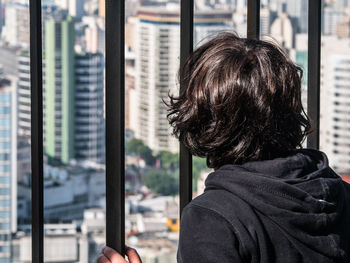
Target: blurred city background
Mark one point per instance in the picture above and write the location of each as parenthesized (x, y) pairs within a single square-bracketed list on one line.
[(74, 115)]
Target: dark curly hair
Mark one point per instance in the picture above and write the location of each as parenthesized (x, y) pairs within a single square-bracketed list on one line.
[(241, 101)]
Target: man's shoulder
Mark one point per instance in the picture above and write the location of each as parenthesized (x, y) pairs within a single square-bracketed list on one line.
[(220, 201)]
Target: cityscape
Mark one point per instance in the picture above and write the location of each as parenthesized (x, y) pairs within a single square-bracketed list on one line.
[(74, 115)]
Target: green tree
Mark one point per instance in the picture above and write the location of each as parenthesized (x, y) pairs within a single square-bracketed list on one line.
[(198, 165), (168, 160), (161, 182), (134, 146), (146, 153), (137, 147)]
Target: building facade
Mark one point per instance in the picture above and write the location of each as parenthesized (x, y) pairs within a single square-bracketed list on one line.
[(157, 63), (335, 95), (8, 200), (89, 107), (74, 96)]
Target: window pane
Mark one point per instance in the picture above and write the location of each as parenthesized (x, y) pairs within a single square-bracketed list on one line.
[(74, 131), (15, 161), (211, 18), (152, 160), (285, 22), (335, 85)]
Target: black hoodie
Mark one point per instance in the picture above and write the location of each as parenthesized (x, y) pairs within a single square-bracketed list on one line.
[(290, 209)]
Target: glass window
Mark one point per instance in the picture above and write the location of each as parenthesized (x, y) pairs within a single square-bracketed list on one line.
[(335, 83)]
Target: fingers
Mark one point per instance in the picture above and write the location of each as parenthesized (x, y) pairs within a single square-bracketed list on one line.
[(102, 259), (112, 255), (132, 255)]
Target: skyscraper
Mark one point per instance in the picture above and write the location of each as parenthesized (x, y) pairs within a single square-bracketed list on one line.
[(74, 82), (335, 109), (157, 62), (23, 93), (89, 107), (8, 217), (59, 88), (15, 31)]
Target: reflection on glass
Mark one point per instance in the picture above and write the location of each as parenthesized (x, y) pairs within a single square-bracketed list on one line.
[(335, 85)]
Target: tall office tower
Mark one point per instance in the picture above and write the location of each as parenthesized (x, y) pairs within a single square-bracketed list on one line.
[(89, 107), (15, 31), (339, 5), (101, 8), (240, 4), (62, 4), (23, 93), (266, 18), (94, 34), (76, 8), (298, 10), (283, 31), (8, 184), (74, 108), (331, 18), (335, 107), (59, 88), (157, 62), (343, 29), (218, 20)]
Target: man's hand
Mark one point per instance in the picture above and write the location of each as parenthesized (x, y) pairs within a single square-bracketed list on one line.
[(109, 255)]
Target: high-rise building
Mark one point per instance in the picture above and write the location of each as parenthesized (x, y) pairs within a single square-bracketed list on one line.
[(16, 29), (76, 8), (343, 29), (283, 31), (298, 9), (101, 8), (335, 109), (23, 93), (89, 107), (94, 34), (8, 217), (74, 86), (59, 88), (266, 18), (157, 62), (339, 5), (331, 18)]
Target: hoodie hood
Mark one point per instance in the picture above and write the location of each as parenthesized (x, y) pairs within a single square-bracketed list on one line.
[(300, 193)]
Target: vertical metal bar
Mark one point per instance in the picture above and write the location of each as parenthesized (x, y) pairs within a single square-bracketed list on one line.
[(186, 48), (314, 54), (36, 131), (253, 24), (115, 119)]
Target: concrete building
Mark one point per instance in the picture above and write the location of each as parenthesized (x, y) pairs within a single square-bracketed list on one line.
[(23, 93), (335, 106), (94, 34), (74, 97), (82, 185), (89, 107), (59, 89), (343, 29), (76, 8), (283, 31), (266, 18), (157, 62), (331, 18), (16, 29), (62, 243), (8, 166)]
